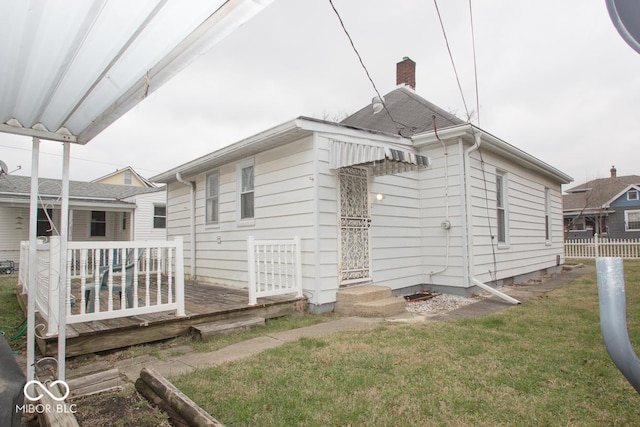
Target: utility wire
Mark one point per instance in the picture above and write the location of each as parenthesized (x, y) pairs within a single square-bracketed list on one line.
[(81, 159), (398, 126), (475, 64), (455, 71)]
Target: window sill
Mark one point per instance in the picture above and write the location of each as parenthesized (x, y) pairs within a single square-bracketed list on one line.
[(248, 222), (503, 246)]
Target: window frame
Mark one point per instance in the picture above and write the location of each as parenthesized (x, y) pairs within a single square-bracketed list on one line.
[(93, 222), (502, 207), (633, 191), (247, 220), (127, 178), (208, 197), (547, 215), (626, 220), (157, 217)]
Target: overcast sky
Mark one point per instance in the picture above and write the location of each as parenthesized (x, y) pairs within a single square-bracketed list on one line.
[(555, 80)]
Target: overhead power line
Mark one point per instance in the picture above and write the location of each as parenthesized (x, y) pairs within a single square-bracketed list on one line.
[(455, 71), (398, 125)]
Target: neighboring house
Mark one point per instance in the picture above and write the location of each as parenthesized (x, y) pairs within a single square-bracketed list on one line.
[(607, 206), (380, 197), (97, 212), (125, 176)]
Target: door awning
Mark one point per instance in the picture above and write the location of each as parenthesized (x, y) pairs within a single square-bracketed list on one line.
[(381, 160)]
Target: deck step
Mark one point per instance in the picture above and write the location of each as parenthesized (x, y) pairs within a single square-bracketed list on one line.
[(225, 327), (368, 301)]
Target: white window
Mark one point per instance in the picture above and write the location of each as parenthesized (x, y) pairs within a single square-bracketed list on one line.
[(245, 176), (632, 220), (547, 214), (127, 178), (633, 195), (501, 206), (159, 216), (212, 197)]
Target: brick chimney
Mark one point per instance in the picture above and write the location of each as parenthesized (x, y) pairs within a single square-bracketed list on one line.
[(613, 171), (406, 73)]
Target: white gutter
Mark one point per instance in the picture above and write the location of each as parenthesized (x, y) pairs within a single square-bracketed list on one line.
[(469, 217), (192, 216)]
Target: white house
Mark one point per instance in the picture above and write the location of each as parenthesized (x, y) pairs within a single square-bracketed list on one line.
[(402, 194), (98, 212)]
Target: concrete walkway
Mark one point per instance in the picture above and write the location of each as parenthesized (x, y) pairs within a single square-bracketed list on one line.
[(176, 365)]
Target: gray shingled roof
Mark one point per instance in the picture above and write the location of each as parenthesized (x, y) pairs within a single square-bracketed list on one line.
[(411, 115), (596, 193), (21, 185)]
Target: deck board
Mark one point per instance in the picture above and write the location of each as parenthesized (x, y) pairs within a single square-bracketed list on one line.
[(203, 303)]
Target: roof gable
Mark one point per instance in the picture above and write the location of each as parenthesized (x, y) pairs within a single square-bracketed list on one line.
[(597, 193), (408, 114), (145, 182)]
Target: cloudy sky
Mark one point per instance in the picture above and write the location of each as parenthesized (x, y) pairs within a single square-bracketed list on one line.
[(554, 79)]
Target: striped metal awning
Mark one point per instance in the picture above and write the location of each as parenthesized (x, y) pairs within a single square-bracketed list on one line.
[(381, 160)]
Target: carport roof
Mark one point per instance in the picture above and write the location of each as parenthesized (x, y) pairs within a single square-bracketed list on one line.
[(71, 68)]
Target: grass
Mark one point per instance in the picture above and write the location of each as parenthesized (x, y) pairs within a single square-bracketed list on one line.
[(11, 316), (541, 363)]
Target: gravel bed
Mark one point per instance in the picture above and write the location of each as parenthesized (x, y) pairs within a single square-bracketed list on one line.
[(440, 304)]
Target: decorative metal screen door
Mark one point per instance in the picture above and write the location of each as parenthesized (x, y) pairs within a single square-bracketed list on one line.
[(354, 226)]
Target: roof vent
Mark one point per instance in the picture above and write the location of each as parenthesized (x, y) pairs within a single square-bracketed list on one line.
[(614, 171)]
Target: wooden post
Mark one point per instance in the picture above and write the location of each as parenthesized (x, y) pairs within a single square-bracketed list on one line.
[(174, 398)]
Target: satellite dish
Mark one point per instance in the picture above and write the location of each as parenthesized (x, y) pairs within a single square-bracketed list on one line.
[(3, 168), (625, 15)]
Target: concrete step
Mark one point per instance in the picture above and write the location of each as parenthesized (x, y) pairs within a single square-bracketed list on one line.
[(225, 327), (380, 308), (368, 301)]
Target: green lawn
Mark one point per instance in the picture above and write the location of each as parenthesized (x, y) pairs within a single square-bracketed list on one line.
[(541, 363), (12, 320)]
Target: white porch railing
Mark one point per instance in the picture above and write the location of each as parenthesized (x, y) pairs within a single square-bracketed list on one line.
[(602, 247), (274, 268), (150, 275)]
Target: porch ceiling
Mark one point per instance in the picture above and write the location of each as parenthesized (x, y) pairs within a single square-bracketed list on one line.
[(71, 68)]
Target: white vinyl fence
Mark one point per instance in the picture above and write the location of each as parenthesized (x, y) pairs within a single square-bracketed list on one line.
[(602, 247), (274, 268)]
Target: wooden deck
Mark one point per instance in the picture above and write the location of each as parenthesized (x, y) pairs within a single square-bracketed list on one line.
[(204, 303)]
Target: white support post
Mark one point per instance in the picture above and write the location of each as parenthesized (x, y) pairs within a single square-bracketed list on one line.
[(298, 266), (33, 261), (64, 253), (251, 270), (179, 257)]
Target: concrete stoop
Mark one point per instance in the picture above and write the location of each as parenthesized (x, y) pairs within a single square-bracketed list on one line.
[(368, 301)]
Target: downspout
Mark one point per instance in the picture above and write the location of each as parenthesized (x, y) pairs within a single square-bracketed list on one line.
[(192, 217), (469, 218), (446, 224)]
